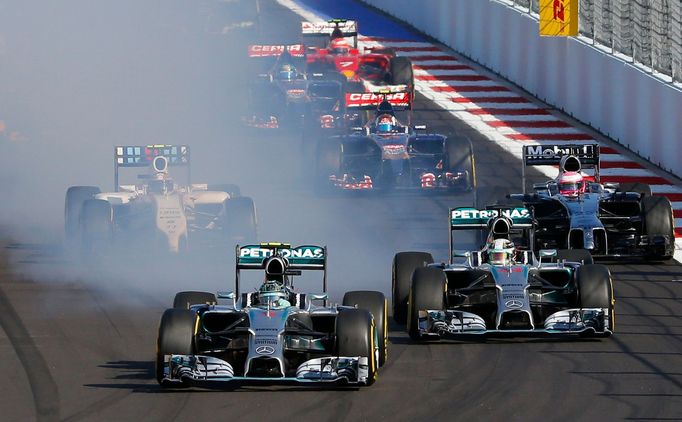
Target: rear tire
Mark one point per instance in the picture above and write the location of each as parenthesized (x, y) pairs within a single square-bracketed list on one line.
[(427, 292), (376, 304), (575, 255), (176, 336), (595, 290), (658, 221), (404, 264), (184, 300), (240, 221), (401, 72), (355, 334), (460, 154), (96, 225), (73, 203)]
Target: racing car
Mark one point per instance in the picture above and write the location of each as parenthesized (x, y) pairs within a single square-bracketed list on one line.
[(285, 95), (159, 212), (386, 154), (371, 68), (275, 334), (503, 287), (577, 211)]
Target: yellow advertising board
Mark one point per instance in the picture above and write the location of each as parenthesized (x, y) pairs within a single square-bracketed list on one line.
[(559, 18)]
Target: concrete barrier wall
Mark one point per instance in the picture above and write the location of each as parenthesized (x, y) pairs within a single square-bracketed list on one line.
[(614, 97)]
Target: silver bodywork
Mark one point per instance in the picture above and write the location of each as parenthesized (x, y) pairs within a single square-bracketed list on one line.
[(267, 340), (513, 298)]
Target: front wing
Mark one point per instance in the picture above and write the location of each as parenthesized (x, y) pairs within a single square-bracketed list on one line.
[(444, 323), (198, 369)]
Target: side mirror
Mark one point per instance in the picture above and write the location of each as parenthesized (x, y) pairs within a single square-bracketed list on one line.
[(461, 254), (323, 296), (547, 253), (225, 295)]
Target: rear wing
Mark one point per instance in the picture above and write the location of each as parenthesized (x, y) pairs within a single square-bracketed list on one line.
[(552, 155), (399, 100), (469, 218), (260, 50), (143, 156), (304, 257), (347, 28)]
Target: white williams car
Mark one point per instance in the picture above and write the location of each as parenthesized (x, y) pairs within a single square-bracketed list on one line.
[(155, 210)]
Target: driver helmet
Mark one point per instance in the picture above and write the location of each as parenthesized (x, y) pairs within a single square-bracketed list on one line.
[(571, 183), (339, 46), (501, 252), (287, 72), (273, 294), (386, 123)]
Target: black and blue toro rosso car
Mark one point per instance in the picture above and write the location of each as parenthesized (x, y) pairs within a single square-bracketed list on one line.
[(386, 154)]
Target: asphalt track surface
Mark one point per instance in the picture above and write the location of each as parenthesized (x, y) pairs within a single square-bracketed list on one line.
[(77, 338)]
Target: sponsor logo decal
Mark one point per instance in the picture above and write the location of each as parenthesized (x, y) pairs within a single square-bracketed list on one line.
[(256, 252), (474, 214), (265, 350), (544, 152), (513, 304), (368, 96)]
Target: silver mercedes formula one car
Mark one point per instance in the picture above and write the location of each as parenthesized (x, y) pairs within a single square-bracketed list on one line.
[(274, 334), (156, 210), (503, 288)]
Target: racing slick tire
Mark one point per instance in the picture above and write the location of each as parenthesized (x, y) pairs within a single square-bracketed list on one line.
[(355, 336), (401, 72), (96, 224), (404, 264), (575, 255), (229, 188), (183, 300), (641, 188), (427, 292), (327, 163), (376, 304), (460, 155), (73, 203), (595, 290), (658, 221), (240, 219), (176, 336)]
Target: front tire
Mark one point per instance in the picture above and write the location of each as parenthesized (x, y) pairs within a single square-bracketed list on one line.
[(327, 163), (427, 292), (404, 264), (176, 337), (355, 334), (460, 155), (376, 304), (73, 203), (658, 221), (96, 225), (595, 290)]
